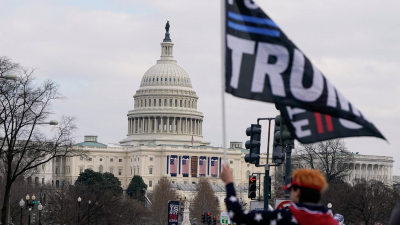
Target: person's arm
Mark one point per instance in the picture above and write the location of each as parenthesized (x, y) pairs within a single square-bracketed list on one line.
[(235, 209)]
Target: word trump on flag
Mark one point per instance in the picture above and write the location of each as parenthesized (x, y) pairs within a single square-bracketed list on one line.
[(262, 63)]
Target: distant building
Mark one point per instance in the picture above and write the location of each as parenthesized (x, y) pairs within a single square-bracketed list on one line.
[(367, 167), (371, 167)]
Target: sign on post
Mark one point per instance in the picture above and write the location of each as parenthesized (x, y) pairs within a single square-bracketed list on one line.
[(173, 208), (282, 203), (257, 205), (35, 202), (224, 218)]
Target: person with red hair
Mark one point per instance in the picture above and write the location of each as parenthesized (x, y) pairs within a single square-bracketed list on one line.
[(306, 189)]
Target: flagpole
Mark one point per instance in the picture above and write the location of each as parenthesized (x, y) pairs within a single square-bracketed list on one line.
[(223, 78)]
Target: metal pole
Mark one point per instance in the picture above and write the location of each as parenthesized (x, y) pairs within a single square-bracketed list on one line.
[(288, 164), (269, 129), (40, 223), (79, 212), (266, 185), (21, 215), (29, 221), (88, 219)]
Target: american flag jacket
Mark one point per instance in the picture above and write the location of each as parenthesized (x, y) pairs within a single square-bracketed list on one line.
[(298, 213)]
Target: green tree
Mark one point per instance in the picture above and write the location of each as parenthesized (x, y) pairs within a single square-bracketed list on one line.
[(137, 188), (96, 180)]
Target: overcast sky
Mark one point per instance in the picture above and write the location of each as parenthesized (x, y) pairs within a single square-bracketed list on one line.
[(99, 50)]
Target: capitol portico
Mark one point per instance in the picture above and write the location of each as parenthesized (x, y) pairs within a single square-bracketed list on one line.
[(367, 167)]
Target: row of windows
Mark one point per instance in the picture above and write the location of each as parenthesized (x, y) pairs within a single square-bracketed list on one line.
[(101, 170), (171, 103), (101, 159), (165, 79)]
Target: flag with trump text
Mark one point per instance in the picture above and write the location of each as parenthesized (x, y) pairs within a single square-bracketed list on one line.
[(262, 63), (173, 165)]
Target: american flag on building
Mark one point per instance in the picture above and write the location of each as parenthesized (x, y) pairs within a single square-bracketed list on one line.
[(185, 166), (202, 166), (173, 165), (214, 166)]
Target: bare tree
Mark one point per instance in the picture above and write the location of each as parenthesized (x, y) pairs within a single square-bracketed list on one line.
[(24, 106), (161, 195), (371, 202), (205, 200), (105, 207), (330, 157)]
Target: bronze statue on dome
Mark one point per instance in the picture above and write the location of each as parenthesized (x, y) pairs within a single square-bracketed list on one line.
[(167, 26)]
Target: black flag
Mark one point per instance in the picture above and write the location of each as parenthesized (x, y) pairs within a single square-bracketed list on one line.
[(261, 63), (309, 127)]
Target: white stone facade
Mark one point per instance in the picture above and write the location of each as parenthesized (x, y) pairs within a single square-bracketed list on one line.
[(370, 167)]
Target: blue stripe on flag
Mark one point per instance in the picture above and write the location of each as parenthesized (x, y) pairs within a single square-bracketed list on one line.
[(167, 163), (179, 165), (251, 19), (254, 30)]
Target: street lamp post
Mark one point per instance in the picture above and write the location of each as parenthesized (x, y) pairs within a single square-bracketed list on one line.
[(29, 206), (9, 76), (88, 213), (79, 209), (96, 209), (40, 207), (330, 208), (21, 203)]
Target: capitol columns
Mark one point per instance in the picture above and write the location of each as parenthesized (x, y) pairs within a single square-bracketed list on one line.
[(162, 124), (148, 124), (168, 124), (134, 125), (155, 124), (174, 125), (187, 125), (180, 125)]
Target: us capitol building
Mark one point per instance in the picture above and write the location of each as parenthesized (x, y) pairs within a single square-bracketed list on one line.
[(165, 138)]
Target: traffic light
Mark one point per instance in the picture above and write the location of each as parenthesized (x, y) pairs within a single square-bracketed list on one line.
[(252, 187), (278, 152), (214, 222), (269, 188), (253, 144), (283, 136), (203, 217), (209, 218)]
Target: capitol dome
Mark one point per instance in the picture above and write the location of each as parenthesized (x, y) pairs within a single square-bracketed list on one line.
[(166, 74), (165, 105)]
